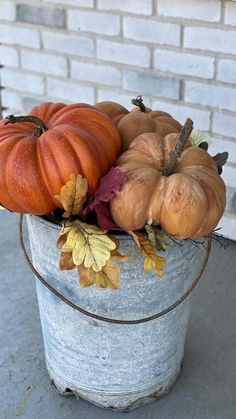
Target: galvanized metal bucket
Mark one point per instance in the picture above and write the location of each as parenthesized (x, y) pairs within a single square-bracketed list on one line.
[(118, 349)]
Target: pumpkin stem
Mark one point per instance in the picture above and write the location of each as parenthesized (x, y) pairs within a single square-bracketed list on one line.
[(179, 147), (40, 127), (139, 102)]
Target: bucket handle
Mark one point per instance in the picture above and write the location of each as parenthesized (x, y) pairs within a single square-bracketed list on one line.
[(97, 316)]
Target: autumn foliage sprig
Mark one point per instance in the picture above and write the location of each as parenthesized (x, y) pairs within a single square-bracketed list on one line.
[(90, 249)]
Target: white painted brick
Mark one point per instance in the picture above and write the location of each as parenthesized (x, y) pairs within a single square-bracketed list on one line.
[(123, 99), (230, 13), (227, 71), (68, 44), (9, 56), (53, 17), (191, 9), (95, 73), (231, 200), (229, 176), (19, 36), (151, 31), (201, 118), (44, 63), (71, 92), (217, 145), (30, 102), (210, 39), (123, 53), (7, 10), (78, 3), (130, 6), (102, 23), (22, 81), (184, 63), (11, 100), (225, 125), (220, 97), (228, 227), (152, 85)]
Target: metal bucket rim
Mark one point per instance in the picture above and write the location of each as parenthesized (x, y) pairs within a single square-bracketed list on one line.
[(103, 318), (121, 234)]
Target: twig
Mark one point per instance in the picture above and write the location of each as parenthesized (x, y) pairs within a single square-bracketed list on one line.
[(219, 239), (179, 147), (139, 102)]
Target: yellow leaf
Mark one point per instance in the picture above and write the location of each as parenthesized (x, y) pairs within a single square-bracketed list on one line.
[(147, 248), (157, 237), (108, 277), (197, 137), (73, 195), (89, 245)]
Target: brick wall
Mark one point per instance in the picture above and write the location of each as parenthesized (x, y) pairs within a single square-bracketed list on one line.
[(179, 54)]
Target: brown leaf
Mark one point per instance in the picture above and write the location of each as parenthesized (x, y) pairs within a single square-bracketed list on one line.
[(73, 195), (115, 254), (109, 186), (147, 248), (115, 240), (108, 277), (66, 261), (134, 237), (61, 241), (122, 258)]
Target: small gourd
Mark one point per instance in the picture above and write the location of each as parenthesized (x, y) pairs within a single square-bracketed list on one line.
[(138, 121)]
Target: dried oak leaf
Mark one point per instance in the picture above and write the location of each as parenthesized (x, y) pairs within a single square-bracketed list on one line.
[(88, 244), (198, 137), (73, 195), (61, 240), (107, 277), (157, 237), (66, 261), (115, 254), (147, 248), (109, 186)]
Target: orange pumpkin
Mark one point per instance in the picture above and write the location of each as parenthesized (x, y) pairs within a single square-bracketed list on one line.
[(36, 163), (138, 121), (188, 203)]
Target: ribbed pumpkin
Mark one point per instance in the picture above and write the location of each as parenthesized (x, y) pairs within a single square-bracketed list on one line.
[(188, 203), (36, 162), (138, 121)]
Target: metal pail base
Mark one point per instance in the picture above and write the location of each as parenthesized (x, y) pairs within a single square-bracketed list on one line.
[(114, 402)]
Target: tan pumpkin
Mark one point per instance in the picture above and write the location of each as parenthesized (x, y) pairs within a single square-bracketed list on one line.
[(188, 203), (138, 121)]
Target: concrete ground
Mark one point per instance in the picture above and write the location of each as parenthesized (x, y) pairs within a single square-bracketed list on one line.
[(206, 388)]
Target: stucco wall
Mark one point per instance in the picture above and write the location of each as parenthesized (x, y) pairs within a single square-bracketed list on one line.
[(179, 54)]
